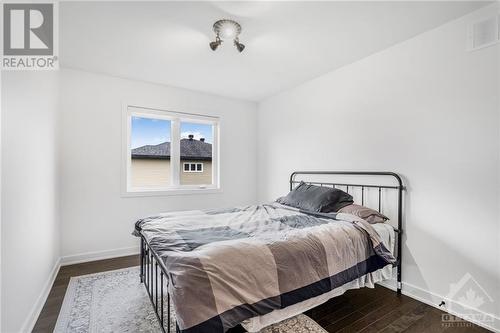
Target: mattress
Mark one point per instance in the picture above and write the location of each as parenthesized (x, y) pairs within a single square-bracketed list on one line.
[(386, 233)]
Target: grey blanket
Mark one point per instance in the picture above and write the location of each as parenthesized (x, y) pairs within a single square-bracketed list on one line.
[(225, 266)]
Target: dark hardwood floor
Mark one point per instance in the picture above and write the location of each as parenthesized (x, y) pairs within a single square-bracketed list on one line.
[(48, 317), (361, 310)]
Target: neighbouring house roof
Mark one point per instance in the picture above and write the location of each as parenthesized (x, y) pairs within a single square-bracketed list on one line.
[(191, 149)]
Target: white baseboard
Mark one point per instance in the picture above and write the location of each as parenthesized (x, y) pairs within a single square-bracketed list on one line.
[(434, 300), (98, 255), (30, 321)]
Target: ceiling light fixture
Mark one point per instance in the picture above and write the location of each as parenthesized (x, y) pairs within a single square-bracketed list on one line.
[(224, 30)]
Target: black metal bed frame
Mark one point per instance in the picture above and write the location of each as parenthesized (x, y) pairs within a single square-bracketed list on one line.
[(150, 261), (149, 276)]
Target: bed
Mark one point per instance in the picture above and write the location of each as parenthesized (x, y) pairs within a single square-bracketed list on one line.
[(257, 265)]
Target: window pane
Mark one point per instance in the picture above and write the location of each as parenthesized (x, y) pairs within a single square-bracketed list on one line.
[(196, 148), (150, 153), (186, 167)]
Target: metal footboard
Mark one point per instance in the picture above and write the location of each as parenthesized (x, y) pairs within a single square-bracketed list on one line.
[(154, 276)]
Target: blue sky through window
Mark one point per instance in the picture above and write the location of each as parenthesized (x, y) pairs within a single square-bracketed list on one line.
[(149, 131), (198, 130)]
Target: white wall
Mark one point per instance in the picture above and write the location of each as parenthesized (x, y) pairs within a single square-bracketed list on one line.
[(95, 218), (426, 109), (30, 225)]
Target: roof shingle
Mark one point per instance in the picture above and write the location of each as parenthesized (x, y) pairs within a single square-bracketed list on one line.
[(191, 149)]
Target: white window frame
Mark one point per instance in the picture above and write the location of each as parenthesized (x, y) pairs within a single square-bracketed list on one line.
[(195, 168), (175, 117)]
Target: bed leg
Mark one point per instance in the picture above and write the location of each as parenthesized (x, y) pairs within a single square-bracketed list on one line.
[(399, 284), (400, 236), (142, 261), (161, 297), (168, 311)]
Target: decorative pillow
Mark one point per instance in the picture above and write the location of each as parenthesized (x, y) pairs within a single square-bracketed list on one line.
[(316, 198), (367, 214)]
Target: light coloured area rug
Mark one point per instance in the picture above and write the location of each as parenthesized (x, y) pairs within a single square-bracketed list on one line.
[(116, 301)]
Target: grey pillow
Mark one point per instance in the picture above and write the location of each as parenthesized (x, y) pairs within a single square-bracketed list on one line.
[(367, 214), (316, 198)]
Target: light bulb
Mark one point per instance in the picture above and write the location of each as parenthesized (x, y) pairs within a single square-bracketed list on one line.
[(227, 29)]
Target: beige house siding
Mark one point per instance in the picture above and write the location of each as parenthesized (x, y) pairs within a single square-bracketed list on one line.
[(149, 173), (154, 173), (197, 178)]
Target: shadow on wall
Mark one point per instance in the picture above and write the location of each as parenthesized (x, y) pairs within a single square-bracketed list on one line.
[(483, 296)]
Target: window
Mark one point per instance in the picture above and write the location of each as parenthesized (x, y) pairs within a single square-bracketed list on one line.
[(193, 167), (169, 151)]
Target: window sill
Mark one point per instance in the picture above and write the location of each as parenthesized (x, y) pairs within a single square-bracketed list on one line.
[(164, 193)]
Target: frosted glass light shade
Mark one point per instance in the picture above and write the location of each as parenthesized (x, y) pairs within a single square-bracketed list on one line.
[(227, 29)]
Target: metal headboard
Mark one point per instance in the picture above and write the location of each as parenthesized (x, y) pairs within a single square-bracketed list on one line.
[(399, 188)]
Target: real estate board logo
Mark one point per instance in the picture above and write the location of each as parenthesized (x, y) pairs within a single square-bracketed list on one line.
[(466, 297), (29, 36)]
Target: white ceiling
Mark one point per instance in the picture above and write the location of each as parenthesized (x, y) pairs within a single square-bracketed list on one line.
[(287, 43)]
